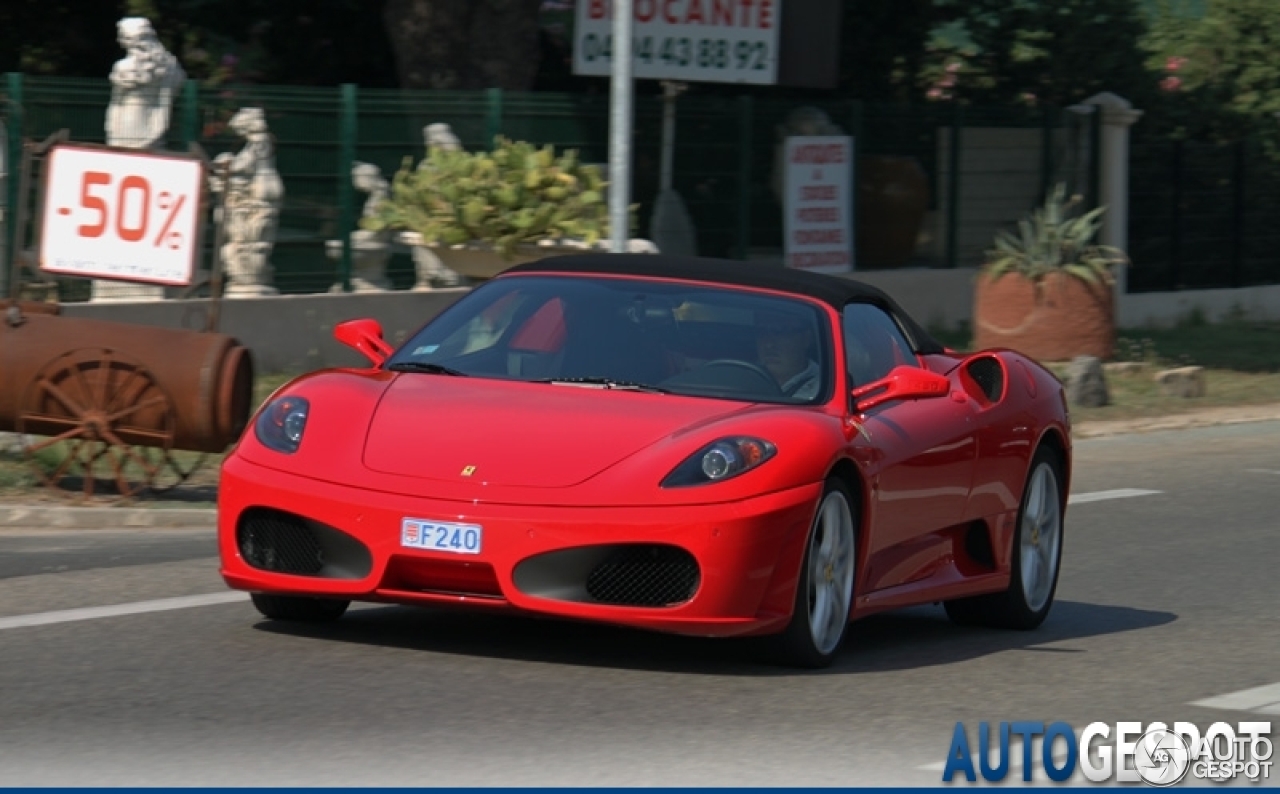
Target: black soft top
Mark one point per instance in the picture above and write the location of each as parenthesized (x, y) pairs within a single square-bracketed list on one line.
[(833, 290)]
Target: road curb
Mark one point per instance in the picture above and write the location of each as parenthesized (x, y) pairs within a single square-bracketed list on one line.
[(42, 517), (1210, 417), (19, 516)]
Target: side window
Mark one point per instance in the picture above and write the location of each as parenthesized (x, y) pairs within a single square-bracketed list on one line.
[(873, 343)]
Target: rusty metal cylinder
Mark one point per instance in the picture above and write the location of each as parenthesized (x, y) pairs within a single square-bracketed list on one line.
[(204, 379)]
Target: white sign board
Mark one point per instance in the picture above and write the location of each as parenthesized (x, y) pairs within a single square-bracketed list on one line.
[(716, 41), (123, 215), (818, 211)]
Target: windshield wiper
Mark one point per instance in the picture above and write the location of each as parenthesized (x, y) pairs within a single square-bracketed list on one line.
[(422, 366), (607, 383)]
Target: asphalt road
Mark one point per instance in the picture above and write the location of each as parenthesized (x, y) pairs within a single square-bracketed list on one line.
[(1166, 599)]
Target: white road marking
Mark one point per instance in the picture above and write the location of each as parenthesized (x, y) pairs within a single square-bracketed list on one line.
[(1099, 496), (1263, 471), (115, 610), (1260, 700)]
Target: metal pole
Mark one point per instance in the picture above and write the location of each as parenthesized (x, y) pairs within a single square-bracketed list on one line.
[(4, 209), (493, 116), (746, 119), (19, 224), (953, 188), (190, 113), (13, 86), (670, 91), (1046, 150), (621, 91), (1175, 217), (346, 191), (1238, 211), (215, 267), (857, 116)]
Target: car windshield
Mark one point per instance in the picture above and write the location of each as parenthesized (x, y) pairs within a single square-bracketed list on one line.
[(627, 333)]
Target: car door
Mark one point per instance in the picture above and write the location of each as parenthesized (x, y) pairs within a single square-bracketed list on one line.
[(918, 454)]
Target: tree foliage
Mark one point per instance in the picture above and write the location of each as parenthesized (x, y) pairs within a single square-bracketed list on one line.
[(1055, 52), (1220, 68), (465, 44)]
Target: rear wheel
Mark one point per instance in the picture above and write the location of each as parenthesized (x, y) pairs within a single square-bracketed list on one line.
[(824, 594), (1035, 560), (299, 608)]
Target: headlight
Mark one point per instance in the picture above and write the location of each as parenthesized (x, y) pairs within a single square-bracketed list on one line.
[(281, 423), (720, 460)]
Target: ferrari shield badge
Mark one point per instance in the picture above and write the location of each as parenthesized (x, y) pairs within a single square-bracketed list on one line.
[(467, 471)]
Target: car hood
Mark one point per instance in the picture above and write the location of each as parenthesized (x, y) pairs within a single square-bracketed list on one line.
[(516, 434)]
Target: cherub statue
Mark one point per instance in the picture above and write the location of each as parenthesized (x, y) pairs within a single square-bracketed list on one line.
[(254, 193), (143, 85), (441, 136)]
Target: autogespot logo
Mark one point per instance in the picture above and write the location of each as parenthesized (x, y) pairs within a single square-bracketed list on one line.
[(1158, 754), (1161, 757)]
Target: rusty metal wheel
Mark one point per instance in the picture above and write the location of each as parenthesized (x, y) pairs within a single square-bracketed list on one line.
[(103, 418), (172, 468)]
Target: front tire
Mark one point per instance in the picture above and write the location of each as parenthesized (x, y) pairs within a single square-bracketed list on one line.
[(824, 592), (1036, 557), (299, 608)]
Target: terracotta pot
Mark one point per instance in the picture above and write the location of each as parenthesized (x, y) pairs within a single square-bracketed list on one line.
[(893, 196), (1056, 320)]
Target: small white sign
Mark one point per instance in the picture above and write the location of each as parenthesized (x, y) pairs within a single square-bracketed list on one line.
[(818, 212), (716, 41), (121, 215)]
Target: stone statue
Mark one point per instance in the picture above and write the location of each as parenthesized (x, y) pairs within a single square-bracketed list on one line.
[(431, 272), (368, 178), (143, 85), (441, 136), (370, 250), (253, 195)]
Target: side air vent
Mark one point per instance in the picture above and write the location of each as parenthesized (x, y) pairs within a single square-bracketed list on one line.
[(988, 374)]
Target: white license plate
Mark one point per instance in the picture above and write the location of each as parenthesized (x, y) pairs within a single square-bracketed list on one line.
[(421, 533)]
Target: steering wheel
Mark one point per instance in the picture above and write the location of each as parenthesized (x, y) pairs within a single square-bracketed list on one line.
[(760, 372)]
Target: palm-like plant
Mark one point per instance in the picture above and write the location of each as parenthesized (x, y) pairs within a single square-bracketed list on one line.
[(1056, 237)]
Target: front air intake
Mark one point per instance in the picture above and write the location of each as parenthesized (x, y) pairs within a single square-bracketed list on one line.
[(644, 575), (275, 541)]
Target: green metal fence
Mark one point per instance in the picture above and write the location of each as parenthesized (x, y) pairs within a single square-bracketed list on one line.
[(1203, 215), (724, 156)]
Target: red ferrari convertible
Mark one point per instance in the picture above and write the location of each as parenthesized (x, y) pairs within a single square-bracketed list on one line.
[(683, 445)]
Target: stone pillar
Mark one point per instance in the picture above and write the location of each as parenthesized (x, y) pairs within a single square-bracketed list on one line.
[(1117, 116)]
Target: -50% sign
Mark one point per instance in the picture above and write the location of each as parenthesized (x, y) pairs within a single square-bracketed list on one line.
[(121, 215)]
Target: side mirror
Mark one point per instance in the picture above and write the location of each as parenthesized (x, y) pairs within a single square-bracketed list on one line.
[(364, 336), (902, 383)]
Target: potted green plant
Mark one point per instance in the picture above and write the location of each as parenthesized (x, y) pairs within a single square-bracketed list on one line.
[(483, 212), (1047, 290)]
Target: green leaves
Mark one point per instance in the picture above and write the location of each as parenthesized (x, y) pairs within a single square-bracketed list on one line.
[(1055, 238), (517, 193)]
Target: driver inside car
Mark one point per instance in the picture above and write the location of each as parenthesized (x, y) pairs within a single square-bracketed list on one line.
[(782, 346)]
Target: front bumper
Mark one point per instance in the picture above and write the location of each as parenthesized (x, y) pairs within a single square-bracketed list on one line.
[(707, 570)]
